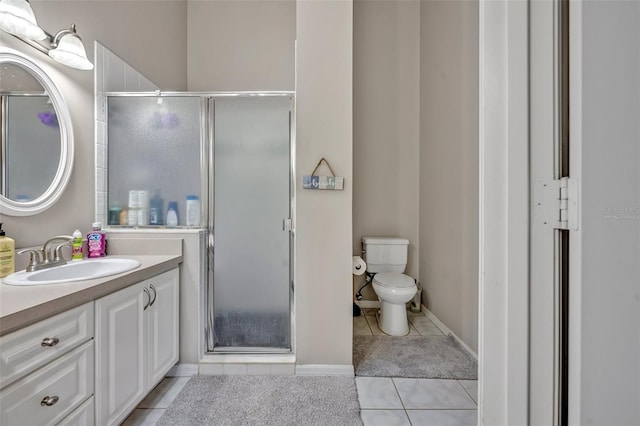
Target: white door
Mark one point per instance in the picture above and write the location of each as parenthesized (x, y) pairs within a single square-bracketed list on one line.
[(604, 275), (523, 303), (120, 350), (162, 315), (251, 276)]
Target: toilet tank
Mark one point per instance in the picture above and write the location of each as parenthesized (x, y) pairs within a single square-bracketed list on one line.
[(385, 254)]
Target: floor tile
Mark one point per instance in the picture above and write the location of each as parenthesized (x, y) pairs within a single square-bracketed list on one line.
[(283, 369), (143, 417), (258, 369), (373, 324), (413, 331), (433, 394), (425, 327), (370, 311), (377, 392), (361, 326), (384, 418), (163, 394), (375, 329), (471, 386), (443, 417)]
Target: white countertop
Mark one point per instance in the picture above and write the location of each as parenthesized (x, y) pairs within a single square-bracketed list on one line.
[(24, 305)]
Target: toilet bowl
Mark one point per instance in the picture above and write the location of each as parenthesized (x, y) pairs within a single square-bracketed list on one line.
[(394, 291), (386, 259)]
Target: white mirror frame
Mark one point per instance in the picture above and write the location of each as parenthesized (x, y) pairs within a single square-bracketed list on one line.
[(65, 166)]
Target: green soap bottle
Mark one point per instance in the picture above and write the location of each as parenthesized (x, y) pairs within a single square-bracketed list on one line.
[(76, 245)]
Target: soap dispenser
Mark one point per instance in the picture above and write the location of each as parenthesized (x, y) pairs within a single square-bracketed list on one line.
[(76, 245), (7, 254), (96, 241)]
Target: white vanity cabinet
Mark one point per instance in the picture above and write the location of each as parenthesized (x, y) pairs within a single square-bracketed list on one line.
[(136, 344), (46, 369)]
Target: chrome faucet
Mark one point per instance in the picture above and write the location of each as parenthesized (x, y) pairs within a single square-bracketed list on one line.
[(47, 256)]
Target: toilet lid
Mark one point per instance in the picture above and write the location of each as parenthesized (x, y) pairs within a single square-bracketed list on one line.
[(394, 280)]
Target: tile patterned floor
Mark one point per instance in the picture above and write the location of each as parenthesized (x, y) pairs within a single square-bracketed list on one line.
[(384, 401), (419, 324), (149, 411), (389, 401)]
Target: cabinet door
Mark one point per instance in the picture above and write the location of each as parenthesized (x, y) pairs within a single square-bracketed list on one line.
[(163, 325), (120, 353)]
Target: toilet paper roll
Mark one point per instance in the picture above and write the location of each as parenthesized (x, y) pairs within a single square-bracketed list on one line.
[(358, 266)]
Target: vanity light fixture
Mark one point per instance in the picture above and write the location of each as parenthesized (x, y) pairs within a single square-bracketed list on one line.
[(67, 48), (17, 19)]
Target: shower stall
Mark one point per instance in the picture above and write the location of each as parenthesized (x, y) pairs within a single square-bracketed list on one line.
[(233, 152)]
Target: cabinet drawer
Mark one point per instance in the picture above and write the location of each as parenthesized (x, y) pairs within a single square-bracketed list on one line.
[(81, 416), (64, 383), (26, 350)]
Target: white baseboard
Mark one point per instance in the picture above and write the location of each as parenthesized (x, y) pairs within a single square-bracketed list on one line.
[(324, 370), (445, 330), (183, 370)]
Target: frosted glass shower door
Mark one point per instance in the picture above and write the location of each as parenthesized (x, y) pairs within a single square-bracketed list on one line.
[(251, 259)]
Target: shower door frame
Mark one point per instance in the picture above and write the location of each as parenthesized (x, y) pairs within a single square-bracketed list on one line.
[(209, 348), (205, 327)]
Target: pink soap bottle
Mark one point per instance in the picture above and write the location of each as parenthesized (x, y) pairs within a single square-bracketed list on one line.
[(96, 242)]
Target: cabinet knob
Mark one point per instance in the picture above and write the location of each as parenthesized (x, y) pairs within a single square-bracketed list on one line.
[(49, 401), (50, 341)]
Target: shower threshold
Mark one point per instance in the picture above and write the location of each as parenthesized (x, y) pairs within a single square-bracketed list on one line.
[(248, 350)]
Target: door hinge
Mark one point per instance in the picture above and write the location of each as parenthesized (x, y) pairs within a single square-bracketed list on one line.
[(556, 203), (287, 224)]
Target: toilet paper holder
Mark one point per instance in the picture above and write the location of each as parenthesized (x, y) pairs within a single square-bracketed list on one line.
[(358, 266)]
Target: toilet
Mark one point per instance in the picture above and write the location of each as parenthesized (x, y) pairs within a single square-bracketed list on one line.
[(386, 257)]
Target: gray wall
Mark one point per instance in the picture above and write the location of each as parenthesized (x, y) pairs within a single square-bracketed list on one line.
[(416, 146), (241, 45), (386, 125), (449, 164), (324, 218)]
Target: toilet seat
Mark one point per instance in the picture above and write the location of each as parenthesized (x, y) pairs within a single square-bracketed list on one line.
[(393, 280)]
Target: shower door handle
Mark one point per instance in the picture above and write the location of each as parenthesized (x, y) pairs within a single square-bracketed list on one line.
[(287, 225)]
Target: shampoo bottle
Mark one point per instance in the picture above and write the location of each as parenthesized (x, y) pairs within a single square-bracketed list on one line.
[(7, 254), (172, 214), (155, 209), (76, 245), (96, 242), (193, 210)]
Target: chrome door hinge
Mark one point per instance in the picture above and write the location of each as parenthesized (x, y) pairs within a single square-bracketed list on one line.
[(555, 203), (287, 224)]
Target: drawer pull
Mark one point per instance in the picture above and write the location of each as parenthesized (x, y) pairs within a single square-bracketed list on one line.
[(155, 294), (148, 298), (50, 341), (49, 401)]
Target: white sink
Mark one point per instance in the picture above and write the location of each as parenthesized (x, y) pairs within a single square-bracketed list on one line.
[(73, 271)]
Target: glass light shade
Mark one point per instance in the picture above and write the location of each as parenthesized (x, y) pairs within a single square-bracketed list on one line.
[(17, 18), (70, 51)]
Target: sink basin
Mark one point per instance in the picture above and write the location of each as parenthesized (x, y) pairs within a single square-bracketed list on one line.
[(73, 271)]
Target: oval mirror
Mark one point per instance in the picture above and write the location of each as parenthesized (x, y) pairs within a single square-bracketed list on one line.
[(36, 138)]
